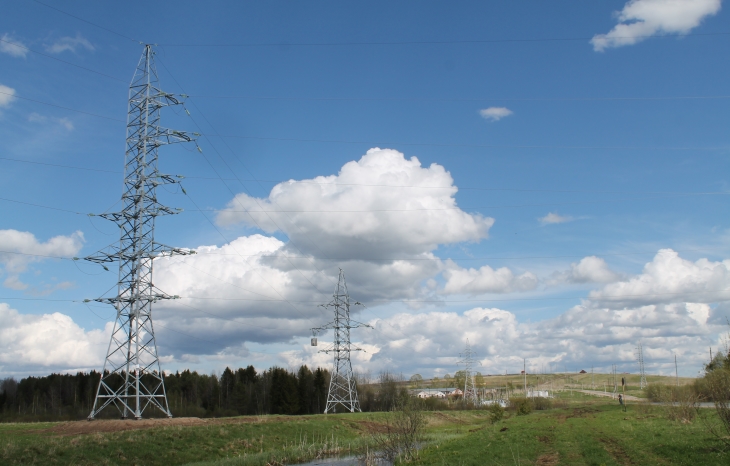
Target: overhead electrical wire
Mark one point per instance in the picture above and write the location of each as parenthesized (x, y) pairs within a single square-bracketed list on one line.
[(460, 188), (15, 44), (454, 99), (432, 42), (435, 301)]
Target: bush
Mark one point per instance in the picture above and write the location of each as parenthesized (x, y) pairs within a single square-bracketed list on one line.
[(523, 406), (496, 412), (541, 404), (680, 403)]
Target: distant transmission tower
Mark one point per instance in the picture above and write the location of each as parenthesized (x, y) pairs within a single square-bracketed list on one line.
[(467, 360), (132, 379), (342, 390), (640, 358)]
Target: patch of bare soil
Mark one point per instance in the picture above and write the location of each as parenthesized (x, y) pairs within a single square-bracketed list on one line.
[(372, 427), (119, 425), (548, 459), (544, 439), (614, 449), (439, 418)]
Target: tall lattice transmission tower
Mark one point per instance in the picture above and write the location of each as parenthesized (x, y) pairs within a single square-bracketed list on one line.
[(640, 359), (131, 378), (342, 389), (467, 360)]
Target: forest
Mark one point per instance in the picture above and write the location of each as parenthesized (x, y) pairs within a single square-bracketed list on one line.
[(234, 392)]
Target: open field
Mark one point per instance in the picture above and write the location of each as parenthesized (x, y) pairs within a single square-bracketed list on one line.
[(584, 430)]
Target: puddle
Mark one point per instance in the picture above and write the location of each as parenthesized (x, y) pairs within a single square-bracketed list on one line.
[(343, 461)]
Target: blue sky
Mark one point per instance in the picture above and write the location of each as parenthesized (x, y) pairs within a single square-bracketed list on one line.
[(561, 142)]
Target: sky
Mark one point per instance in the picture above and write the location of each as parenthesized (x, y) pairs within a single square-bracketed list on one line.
[(547, 180)]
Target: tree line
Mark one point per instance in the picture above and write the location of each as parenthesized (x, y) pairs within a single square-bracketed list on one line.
[(234, 392)]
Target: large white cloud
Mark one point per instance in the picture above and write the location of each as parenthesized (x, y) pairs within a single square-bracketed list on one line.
[(590, 269), (486, 280), (640, 19), (362, 212), (17, 249), (669, 279), (48, 342)]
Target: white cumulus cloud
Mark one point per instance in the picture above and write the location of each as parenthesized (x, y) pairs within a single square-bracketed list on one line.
[(554, 218), (364, 212), (17, 249), (12, 46), (640, 19), (669, 278), (69, 44), (486, 280), (495, 113), (48, 342), (7, 95), (590, 269)]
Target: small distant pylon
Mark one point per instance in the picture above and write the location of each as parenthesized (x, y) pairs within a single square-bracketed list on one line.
[(132, 379), (640, 358), (467, 360), (342, 390)]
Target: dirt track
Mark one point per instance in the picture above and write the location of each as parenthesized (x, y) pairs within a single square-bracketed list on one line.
[(117, 425)]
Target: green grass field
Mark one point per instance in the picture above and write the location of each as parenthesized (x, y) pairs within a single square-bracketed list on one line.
[(584, 431)]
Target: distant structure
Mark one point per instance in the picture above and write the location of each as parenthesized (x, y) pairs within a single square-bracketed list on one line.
[(640, 358), (342, 390), (467, 360), (131, 379)]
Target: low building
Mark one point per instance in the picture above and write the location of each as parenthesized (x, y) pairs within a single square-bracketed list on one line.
[(428, 393), (538, 394), (451, 391)]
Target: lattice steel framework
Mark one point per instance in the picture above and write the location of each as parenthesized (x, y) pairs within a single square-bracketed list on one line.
[(131, 378), (640, 359), (342, 389), (467, 360)]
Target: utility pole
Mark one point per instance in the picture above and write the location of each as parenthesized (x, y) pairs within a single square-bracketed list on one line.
[(467, 359), (642, 372), (524, 371), (676, 370), (132, 378), (342, 390)]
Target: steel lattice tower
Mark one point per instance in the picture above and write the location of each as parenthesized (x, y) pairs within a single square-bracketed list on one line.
[(467, 360), (342, 390), (132, 379), (640, 358)]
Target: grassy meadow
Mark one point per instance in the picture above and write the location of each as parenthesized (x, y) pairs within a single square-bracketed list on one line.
[(579, 429)]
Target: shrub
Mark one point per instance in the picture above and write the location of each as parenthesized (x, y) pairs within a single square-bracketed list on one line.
[(523, 406), (541, 404), (496, 413)]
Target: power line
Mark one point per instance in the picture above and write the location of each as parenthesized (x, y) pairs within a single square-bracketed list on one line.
[(116, 172), (15, 44), (89, 22), (396, 143), (460, 188), (475, 146), (65, 108), (470, 99), (429, 42), (435, 301)]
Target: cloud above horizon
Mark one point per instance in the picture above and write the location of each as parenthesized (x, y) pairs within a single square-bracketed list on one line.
[(23, 248), (495, 113), (641, 19), (69, 44), (553, 217), (7, 96), (12, 46)]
